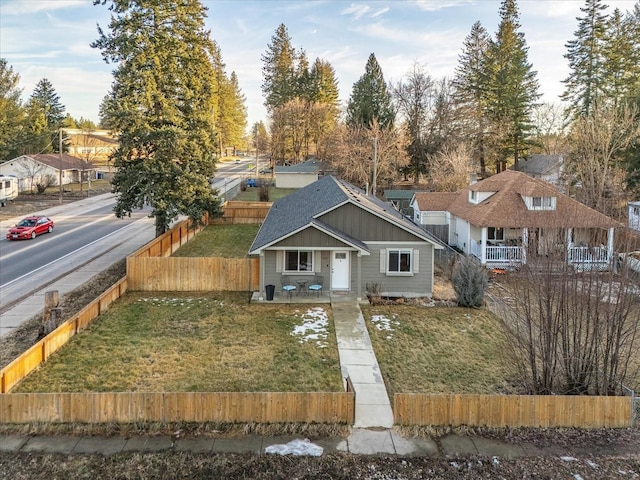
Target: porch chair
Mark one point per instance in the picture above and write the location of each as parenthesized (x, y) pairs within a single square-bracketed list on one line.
[(316, 286), (286, 286)]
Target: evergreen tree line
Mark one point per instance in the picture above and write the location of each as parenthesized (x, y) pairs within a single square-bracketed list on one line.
[(484, 119), (31, 126)]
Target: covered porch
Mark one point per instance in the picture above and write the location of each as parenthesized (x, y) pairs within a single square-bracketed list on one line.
[(509, 248)]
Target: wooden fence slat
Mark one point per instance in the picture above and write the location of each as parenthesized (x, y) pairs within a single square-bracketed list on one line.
[(545, 411)]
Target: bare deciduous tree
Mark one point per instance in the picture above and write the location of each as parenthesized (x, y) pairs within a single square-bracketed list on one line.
[(352, 155), (596, 144), (32, 170), (451, 168), (549, 133), (573, 331)]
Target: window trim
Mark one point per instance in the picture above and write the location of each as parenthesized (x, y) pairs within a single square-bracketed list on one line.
[(298, 251), (400, 251)]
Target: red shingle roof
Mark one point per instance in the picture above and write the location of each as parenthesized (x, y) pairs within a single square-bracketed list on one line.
[(506, 207)]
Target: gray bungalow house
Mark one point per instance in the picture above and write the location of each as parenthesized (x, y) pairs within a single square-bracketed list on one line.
[(332, 229)]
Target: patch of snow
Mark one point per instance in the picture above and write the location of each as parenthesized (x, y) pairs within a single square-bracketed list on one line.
[(568, 459), (296, 447), (577, 476), (383, 323), (592, 464), (314, 327), (173, 302), (495, 461)]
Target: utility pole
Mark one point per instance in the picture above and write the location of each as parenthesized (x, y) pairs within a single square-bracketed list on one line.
[(375, 165), (60, 153)]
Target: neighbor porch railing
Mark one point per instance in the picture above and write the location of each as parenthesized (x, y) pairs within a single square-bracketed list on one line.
[(498, 255), (589, 258)]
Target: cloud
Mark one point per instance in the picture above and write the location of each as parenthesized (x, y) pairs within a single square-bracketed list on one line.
[(355, 10), (26, 7), (380, 12), (435, 5)]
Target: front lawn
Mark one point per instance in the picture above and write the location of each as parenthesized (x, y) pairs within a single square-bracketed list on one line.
[(438, 349), (205, 343)]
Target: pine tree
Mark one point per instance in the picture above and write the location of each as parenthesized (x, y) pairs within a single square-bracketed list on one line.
[(512, 88), (163, 105), (370, 99), (45, 116), (585, 84), (279, 83), (12, 113), (470, 90)]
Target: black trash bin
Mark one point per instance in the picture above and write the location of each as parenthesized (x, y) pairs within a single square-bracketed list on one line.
[(270, 289)]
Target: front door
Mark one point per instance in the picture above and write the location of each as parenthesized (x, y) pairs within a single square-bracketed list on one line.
[(340, 271)]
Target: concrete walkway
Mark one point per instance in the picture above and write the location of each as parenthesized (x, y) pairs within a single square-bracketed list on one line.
[(358, 362)]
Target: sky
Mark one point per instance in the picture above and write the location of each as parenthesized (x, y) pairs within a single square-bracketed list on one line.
[(51, 39)]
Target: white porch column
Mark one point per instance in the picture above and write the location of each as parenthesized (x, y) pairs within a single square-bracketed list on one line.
[(261, 290), (525, 244), (483, 246), (569, 237), (610, 244), (359, 294)]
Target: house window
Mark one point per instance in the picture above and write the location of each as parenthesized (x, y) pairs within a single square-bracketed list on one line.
[(474, 196), (542, 203), (495, 233), (399, 261), (298, 261)]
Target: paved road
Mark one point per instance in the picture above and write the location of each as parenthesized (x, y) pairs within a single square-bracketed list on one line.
[(22, 299)]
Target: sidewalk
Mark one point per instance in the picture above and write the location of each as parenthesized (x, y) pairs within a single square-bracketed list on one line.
[(360, 442)]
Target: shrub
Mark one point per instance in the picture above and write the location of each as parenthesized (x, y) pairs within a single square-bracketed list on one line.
[(470, 281)]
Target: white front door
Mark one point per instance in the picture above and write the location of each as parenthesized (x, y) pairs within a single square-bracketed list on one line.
[(340, 270)]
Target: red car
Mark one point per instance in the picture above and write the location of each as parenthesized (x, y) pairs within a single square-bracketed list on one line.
[(30, 227)]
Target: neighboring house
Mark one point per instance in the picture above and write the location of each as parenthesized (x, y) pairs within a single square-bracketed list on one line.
[(504, 218), (299, 175), (634, 215), (401, 199), (355, 241), (548, 168), (34, 169), (92, 145)]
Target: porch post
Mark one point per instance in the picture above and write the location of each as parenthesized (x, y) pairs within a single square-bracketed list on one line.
[(610, 244), (525, 244), (359, 281), (569, 244), (261, 292), (483, 246)]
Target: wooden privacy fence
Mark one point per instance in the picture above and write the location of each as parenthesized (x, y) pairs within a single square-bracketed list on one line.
[(28, 361), (242, 212), (170, 241), (552, 411), (193, 274), (126, 407)]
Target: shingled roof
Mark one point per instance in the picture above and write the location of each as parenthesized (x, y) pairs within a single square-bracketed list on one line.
[(301, 209), (506, 207), (68, 162)]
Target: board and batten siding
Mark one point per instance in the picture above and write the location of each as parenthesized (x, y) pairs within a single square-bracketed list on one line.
[(360, 224), (418, 284), (311, 237)]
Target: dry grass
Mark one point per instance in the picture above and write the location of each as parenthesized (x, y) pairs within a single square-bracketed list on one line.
[(172, 343), (226, 241), (251, 193), (438, 349)]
